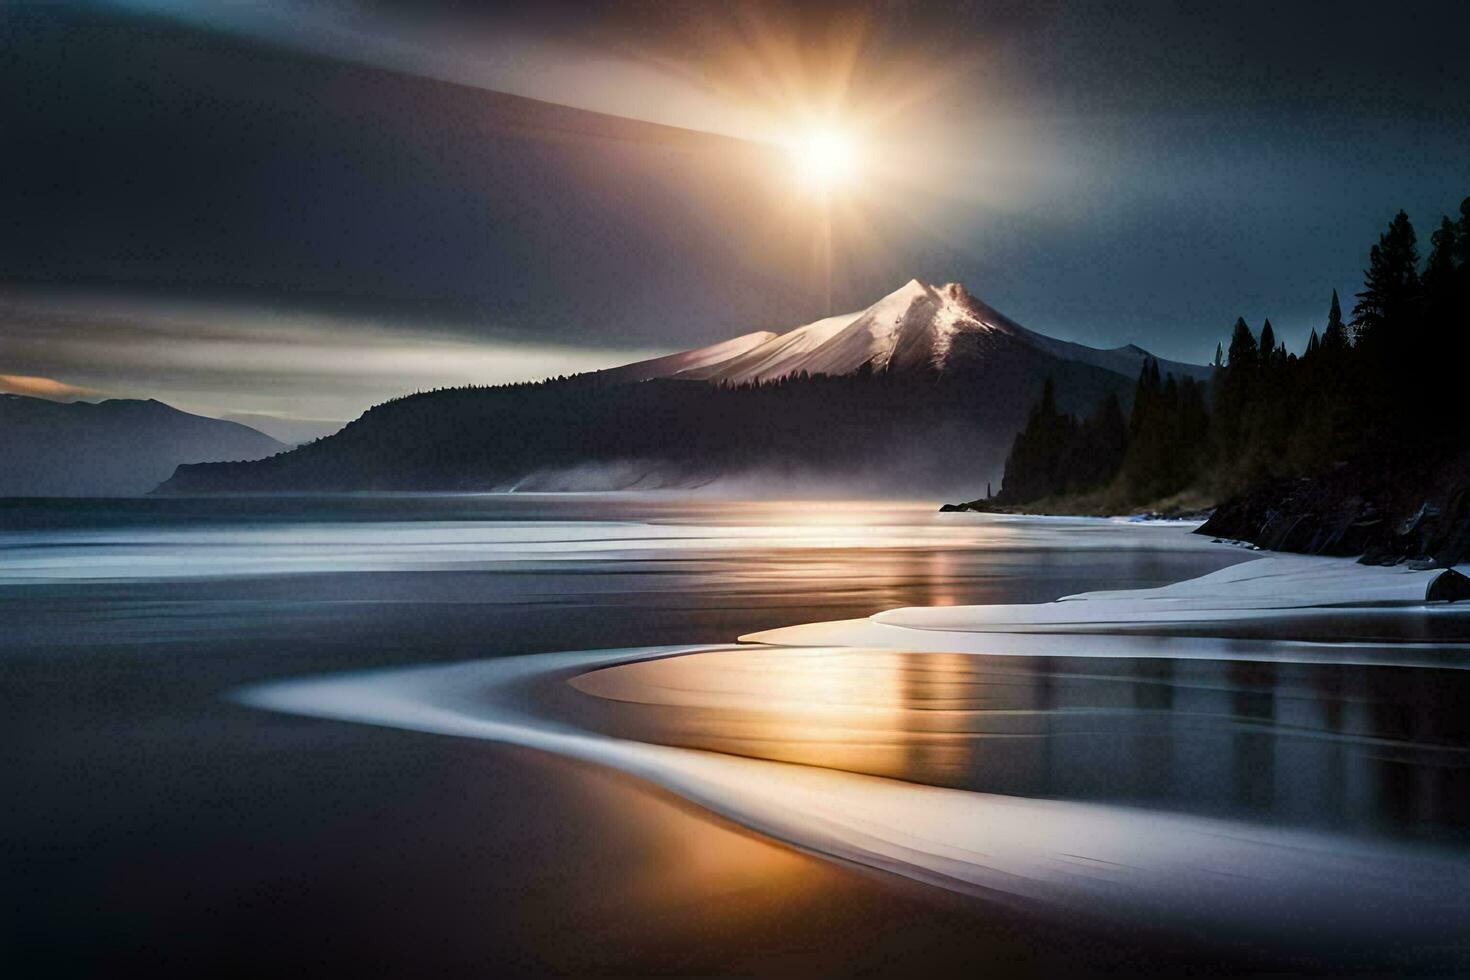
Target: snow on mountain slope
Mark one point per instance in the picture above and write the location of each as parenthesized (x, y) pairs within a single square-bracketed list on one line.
[(908, 313), (773, 358), (916, 327), (683, 362), (912, 328)]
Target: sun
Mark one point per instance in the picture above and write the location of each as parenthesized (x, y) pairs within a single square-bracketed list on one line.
[(826, 159)]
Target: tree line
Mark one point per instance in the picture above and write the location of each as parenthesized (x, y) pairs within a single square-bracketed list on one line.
[(1386, 381), (867, 430)]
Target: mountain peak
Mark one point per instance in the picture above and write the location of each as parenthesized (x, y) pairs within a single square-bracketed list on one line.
[(955, 291), (918, 326)]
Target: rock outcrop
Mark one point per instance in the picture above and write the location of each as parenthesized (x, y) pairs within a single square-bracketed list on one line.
[(1387, 508), (1448, 586)]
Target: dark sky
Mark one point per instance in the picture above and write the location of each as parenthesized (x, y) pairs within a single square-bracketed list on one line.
[(306, 208)]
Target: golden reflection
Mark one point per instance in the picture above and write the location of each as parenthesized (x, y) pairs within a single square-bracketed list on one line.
[(1279, 740), (941, 579), (680, 866), (875, 711)]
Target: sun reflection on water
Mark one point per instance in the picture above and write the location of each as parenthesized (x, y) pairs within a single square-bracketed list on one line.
[(859, 710), (1341, 747)]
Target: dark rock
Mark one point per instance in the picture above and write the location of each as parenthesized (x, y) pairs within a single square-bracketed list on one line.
[(1355, 537), (974, 507), (1425, 512), (1448, 586), (1389, 508), (1380, 553), (1454, 544)]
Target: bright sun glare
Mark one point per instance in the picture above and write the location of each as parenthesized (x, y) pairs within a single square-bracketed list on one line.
[(826, 159)]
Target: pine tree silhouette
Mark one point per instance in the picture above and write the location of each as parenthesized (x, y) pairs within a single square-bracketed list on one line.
[(1390, 283), (1335, 336)]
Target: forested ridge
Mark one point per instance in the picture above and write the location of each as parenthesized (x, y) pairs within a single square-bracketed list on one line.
[(1357, 445), (906, 431), (1384, 383)]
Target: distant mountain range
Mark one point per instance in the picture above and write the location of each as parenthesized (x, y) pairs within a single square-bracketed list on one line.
[(921, 391), (117, 447)]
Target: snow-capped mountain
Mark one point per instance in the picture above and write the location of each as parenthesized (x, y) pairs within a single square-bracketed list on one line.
[(916, 327)]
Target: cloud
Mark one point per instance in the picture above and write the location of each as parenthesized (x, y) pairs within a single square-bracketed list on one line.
[(216, 358), (30, 384)]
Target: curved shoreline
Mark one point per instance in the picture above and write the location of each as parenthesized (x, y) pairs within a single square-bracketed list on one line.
[(1148, 868)]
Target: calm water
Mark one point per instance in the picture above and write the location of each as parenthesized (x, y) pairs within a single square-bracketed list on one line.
[(154, 824), (1367, 751)]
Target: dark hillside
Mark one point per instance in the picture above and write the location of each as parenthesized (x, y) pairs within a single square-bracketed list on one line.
[(899, 432)]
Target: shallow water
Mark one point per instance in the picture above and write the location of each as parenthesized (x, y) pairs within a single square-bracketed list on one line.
[(144, 792), (1145, 872), (1371, 751)]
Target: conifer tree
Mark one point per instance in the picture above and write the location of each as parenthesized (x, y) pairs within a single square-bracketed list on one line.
[(1335, 337), (1107, 437), (1462, 229), (1439, 271), (1242, 346), (1390, 283), (1461, 310), (1446, 320), (1234, 390), (1388, 320)]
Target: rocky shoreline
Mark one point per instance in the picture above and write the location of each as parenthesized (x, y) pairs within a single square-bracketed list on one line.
[(1388, 508), (983, 506)]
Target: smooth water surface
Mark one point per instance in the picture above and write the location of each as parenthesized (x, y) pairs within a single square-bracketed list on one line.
[(157, 825)]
